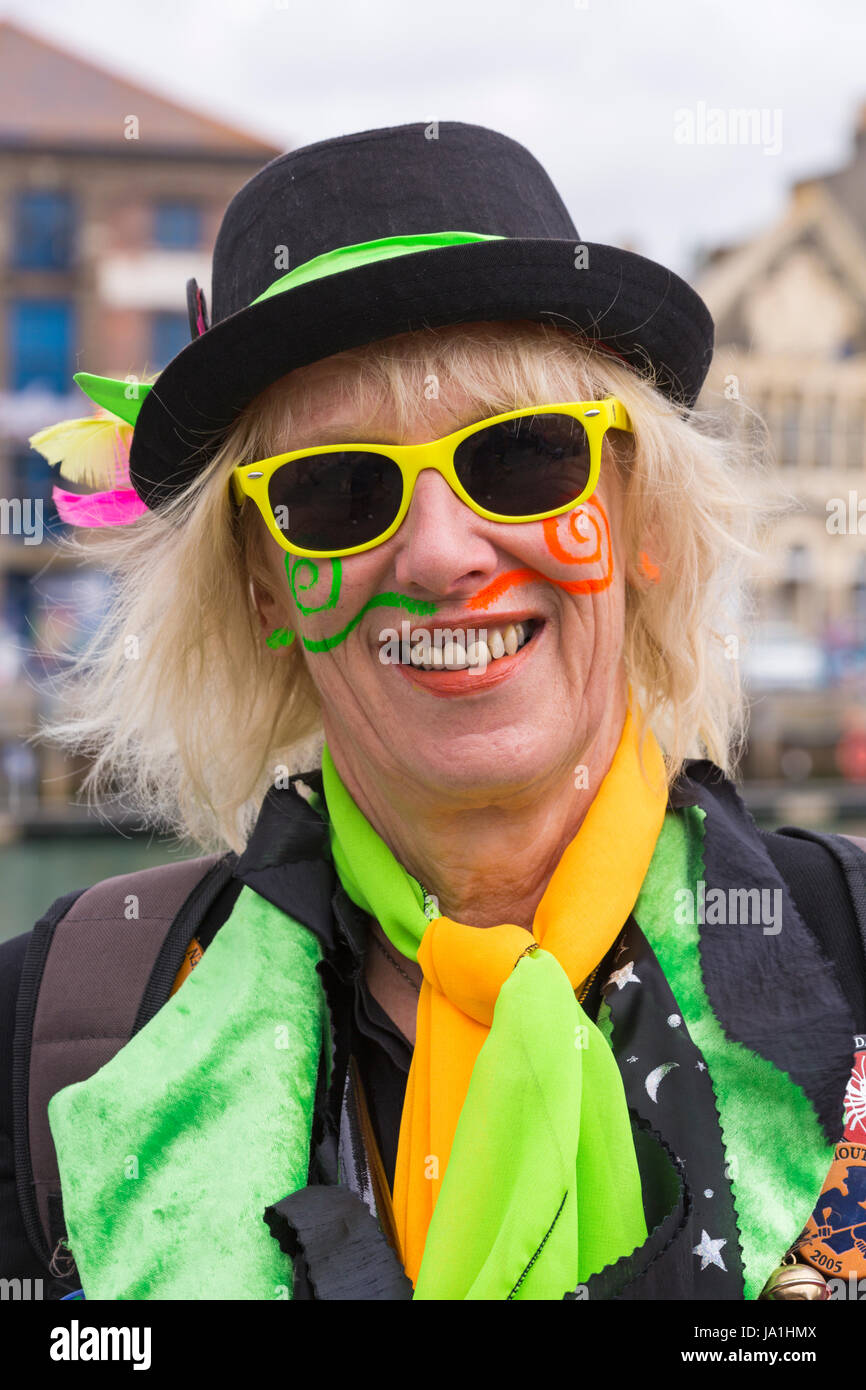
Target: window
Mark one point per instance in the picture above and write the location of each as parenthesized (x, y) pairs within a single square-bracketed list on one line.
[(177, 226), (170, 333), (798, 565), (826, 423), (40, 345), (858, 597), (42, 236), (789, 444), (766, 406), (855, 436), (31, 479), (17, 603)]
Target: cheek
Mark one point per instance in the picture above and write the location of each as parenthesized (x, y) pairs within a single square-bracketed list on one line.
[(572, 552)]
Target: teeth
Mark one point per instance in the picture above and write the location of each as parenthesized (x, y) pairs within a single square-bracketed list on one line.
[(478, 654), (455, 656)]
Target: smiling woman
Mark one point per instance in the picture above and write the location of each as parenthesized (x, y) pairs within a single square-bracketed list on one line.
[(684, 487), (433, 643)]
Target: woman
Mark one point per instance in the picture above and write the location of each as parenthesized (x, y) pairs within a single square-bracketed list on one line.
[(478, 1006)]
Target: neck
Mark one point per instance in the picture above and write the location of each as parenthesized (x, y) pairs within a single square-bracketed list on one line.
[(486, 862)]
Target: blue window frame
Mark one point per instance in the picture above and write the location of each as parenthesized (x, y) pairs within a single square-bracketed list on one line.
[(169, 333), (43, 230), (41, 334), (177, 226)]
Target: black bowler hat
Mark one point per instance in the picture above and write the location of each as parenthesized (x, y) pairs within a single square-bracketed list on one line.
[(365, 236)]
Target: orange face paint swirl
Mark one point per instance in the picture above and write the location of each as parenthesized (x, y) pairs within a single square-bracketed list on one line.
[(579, 537)]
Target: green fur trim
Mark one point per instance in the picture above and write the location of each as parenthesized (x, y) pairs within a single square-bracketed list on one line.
[(170, 1153)]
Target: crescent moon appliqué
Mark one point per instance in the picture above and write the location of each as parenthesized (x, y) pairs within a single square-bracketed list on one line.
[(655, 1077)]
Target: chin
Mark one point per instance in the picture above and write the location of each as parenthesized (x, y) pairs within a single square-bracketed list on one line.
[(506, 759)]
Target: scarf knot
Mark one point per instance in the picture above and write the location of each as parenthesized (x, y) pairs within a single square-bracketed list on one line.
[(469, 965)]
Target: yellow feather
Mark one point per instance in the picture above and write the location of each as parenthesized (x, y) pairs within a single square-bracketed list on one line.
[(93, 451)]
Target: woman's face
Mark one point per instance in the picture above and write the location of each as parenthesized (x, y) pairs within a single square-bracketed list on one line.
[(513, 723)]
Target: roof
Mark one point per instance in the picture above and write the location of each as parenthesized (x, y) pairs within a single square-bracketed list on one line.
[(848, 185), (50, 96)]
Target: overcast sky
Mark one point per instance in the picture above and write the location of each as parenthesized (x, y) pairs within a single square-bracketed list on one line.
[(596, 89)]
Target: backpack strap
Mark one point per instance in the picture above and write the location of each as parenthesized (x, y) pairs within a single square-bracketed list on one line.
[(99, 964)]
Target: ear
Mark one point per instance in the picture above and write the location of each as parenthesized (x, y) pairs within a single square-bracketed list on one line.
[(272, 611)]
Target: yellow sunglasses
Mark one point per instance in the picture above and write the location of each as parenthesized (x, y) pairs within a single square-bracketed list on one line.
[(341, 499)]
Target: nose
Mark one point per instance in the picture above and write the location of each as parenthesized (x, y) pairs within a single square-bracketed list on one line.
[(444, 547)]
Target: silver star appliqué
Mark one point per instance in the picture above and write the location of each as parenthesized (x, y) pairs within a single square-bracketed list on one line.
[(709, 1252), (624, 976)]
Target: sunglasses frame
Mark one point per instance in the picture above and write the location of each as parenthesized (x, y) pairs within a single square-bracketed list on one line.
[(251, 480)]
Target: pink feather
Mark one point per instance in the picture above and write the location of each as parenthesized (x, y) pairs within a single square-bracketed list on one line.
[(118, 507)]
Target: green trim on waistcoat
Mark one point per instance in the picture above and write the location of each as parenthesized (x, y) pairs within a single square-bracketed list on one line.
[(777, 1156), (170, 1153)]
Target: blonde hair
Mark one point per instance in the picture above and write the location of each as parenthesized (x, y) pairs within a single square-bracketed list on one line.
[(188, 717)]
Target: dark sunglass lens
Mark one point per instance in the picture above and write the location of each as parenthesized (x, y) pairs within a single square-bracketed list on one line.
[(335, 501), (520, 467)]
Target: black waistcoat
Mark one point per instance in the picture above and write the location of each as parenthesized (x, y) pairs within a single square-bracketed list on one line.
[(693, 1249)]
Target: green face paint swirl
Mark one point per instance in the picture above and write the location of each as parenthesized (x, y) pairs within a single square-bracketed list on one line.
[(336, 583), (411, 605), (327, 644)]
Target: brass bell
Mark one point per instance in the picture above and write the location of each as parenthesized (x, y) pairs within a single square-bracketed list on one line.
[(793, 1280)]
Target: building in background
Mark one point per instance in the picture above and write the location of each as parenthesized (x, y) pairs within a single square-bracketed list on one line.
[(110, 200), (790, 311)]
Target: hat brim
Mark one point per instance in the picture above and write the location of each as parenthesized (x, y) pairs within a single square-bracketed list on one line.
[(644, 313)]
